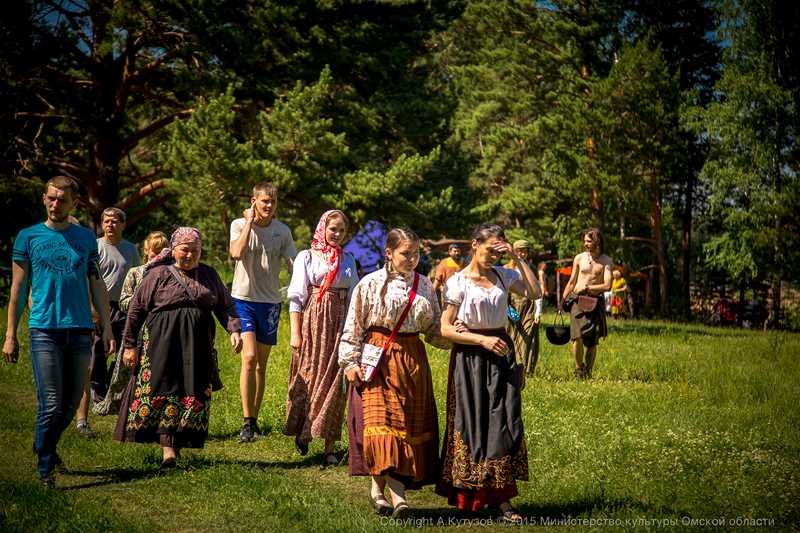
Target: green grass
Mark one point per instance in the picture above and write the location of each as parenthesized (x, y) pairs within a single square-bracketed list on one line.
[(681, 422)]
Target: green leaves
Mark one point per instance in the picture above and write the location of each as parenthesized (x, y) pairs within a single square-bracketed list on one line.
[(751, 170)]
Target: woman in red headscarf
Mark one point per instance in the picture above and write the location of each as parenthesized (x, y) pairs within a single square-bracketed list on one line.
[(322, 281)]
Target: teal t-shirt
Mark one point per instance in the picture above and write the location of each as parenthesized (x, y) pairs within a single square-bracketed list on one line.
[(60, 262)]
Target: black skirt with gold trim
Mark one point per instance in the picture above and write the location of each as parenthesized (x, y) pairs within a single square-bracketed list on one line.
[(484, 443)]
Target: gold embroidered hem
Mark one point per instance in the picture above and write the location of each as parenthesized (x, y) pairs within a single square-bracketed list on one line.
[(459, 470)]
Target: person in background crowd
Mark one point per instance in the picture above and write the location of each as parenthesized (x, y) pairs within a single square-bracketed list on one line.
[(168, 400), (258, 242), (318, 294), (591, 277), (483, 451), (117, 256), (59, 259), (153, 244), (446, 268), (392, 423), (542, 276), (424, 266), (619, 294), (524, 331)]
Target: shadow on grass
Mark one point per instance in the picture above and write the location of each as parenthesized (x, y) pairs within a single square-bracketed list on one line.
[(119, 475), (112, 476), (311, 460), (265, 429)]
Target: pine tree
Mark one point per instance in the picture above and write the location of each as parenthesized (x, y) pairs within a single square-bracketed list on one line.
[(752, 169)]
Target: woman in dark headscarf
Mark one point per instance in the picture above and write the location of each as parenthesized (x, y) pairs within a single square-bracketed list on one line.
[(169, 395)]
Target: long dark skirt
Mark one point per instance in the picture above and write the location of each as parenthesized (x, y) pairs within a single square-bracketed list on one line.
[(315, 400), (168, 398), (397, 433), (483, 453)]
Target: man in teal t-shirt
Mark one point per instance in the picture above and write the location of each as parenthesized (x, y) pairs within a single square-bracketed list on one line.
[(60, 261)]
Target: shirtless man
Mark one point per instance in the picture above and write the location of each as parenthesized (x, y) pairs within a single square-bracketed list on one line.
[(591, 276)]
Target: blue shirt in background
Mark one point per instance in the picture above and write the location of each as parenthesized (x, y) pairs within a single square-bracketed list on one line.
[(60, 262)]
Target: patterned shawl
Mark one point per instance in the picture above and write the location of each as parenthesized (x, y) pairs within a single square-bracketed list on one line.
[(330, 253)]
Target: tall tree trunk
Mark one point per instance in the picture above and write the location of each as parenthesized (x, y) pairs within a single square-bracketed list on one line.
[(686, 244), (774, 316), (598, 210), (658, 243)]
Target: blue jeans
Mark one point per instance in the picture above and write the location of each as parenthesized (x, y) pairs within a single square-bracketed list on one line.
[(60, 361)]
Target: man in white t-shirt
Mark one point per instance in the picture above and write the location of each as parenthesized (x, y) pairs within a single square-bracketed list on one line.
[(258, 242)]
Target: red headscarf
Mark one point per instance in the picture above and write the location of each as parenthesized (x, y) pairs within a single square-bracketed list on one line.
[(330, 253)]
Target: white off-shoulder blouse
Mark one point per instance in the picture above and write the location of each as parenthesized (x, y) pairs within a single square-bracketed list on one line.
[(310, 270), (480, 307), (379, 300)]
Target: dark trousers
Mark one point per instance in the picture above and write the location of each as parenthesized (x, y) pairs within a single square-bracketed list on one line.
[(100, 367)]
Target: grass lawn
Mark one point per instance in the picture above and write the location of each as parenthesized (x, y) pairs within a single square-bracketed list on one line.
[(683, 424)]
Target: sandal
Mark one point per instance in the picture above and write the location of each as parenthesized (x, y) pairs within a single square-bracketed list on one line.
[(302, 447), (509, 514), (381, 505), (402, 510), (169, 462)]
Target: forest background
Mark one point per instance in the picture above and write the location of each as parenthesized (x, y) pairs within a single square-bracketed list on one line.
[(672, 126)]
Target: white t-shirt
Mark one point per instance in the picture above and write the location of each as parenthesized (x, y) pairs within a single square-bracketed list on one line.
[(115, 261), (480, 307), (255, 277)]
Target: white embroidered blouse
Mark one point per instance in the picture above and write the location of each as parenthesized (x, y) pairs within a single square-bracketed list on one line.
[(480, 307), (310, 270), (369, 307)]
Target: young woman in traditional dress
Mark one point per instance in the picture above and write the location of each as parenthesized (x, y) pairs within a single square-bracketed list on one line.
[(484, 453), (392, 421), (322, 281), (169, 396)]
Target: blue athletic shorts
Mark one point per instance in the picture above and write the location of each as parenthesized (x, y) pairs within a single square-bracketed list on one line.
[(261, 319)]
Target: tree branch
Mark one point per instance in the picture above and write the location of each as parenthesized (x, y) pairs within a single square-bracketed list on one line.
[(129, 143), (70, 16), (141, 193), (152, 206), (141, 178), (74, 170), (651, 243)]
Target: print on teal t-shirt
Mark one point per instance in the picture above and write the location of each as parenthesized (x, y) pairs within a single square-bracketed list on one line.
[(60, 262)]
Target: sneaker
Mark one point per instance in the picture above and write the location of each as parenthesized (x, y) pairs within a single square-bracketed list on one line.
[(246, 433), (49, 481), (257, 430), (85, 431)]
